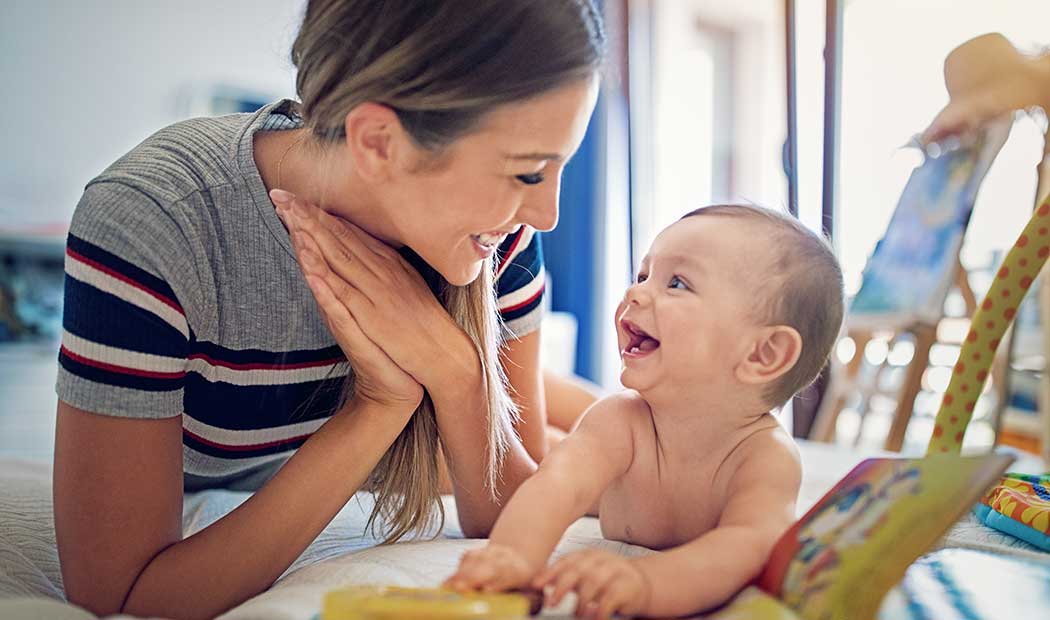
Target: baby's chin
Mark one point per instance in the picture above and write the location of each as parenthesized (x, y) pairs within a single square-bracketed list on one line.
[(633, 380)]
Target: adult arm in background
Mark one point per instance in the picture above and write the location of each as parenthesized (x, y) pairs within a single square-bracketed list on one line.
[(987, 77)]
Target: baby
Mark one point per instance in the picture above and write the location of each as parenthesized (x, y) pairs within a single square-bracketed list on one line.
[(735, 309)]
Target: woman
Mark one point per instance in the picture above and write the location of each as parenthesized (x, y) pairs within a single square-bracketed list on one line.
[(199, 352)]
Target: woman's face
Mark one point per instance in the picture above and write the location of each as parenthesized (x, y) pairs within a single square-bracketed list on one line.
[(455, 211)]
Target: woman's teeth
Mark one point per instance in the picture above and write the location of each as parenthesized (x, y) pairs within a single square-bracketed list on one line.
[(489, 240)]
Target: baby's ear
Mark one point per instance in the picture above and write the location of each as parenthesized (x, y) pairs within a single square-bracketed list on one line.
[(774, 352)]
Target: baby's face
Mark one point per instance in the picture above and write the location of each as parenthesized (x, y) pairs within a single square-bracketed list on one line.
[(692, 309)]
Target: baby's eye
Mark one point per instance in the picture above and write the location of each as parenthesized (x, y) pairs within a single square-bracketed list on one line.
[(677, 282), (642, 277), (531, 179)]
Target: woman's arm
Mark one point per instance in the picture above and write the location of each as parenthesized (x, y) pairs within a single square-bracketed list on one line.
[(118, 511), (461, 410), (369, 278), (567, 397), (520, 358)]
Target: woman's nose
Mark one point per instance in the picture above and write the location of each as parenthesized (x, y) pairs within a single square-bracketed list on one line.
[(540, 210)]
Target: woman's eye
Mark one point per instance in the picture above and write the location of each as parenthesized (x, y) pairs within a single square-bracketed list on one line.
[(677, 282), (531, 179), (642, 277)]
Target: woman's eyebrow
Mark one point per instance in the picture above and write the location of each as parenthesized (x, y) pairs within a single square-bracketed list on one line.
[(535, 156)]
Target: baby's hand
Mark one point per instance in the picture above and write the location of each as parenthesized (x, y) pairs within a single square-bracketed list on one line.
[(493, 568), (605, 583)]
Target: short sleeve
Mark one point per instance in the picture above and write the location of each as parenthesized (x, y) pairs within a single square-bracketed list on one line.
[(520, 282), (125, 337)]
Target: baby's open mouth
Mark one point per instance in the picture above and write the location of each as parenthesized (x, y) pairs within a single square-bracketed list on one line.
[(640, 342)]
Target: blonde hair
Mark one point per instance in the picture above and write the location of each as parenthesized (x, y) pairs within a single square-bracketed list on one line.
[(808, 296), (441, 65)]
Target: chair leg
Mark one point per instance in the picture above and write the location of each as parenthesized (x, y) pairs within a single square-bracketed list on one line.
[(925, 336)]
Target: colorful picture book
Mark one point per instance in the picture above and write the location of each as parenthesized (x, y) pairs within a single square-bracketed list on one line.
[(843, 556)]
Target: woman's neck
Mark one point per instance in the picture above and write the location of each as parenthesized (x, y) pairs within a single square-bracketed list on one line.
[(324, 176)]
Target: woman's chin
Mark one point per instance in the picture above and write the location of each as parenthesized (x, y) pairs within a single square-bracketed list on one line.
[(463, 275)]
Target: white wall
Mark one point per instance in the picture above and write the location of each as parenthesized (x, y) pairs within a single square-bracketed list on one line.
[(83, 82)]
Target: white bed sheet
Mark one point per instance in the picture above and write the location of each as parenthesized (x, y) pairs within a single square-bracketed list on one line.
[(344, 553)]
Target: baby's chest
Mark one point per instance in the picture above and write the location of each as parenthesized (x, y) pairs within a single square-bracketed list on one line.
[(659, 511)]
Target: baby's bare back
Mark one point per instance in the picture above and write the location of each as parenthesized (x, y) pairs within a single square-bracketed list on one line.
[(667, 497)]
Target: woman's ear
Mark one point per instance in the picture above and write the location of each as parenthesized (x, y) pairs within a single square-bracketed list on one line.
[(774, 352), (372, 134)]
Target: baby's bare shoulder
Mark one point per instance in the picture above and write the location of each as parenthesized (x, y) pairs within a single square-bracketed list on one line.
[(624, 408), (768, 456)]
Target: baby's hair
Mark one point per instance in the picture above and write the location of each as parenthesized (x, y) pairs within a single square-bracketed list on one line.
[(806, 292)]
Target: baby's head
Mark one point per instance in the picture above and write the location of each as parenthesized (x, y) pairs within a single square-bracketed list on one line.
[(732, 297)]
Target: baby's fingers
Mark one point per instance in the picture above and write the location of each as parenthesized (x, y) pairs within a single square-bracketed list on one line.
[(612, 599), (563, 578), (592, 586)]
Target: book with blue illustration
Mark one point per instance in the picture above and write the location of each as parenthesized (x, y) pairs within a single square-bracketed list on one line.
[(911, 269)]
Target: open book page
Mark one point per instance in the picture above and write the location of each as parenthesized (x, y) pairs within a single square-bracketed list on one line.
[(841, 557)]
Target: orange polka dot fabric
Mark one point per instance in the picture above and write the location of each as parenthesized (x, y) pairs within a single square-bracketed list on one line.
[(993, 316)]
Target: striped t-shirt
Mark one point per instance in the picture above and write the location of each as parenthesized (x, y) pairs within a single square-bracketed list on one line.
[(183, 298)]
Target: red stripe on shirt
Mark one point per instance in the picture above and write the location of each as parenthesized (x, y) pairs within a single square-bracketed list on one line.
[(259, 366), (123, 278), (526, 302), (510, 251), (121, 369)]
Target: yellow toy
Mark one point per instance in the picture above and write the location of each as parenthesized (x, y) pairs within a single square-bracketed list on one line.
[(395, 603)]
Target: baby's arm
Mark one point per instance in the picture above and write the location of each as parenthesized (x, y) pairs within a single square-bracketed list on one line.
[(569, 481), (709, 570)]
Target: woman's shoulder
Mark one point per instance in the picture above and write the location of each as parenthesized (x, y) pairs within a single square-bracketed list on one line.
[(186, 157)]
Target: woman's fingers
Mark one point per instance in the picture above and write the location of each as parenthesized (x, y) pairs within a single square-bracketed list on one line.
[(340, 247), (313, 262), (354, 234), (343, 325)]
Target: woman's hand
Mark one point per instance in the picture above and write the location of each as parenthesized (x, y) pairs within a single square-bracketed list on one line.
[(605, 583), (386, 296), (377, 377), (986, 78)]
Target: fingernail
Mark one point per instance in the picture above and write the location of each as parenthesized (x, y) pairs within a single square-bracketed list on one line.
[(282, 212), (281, 196)]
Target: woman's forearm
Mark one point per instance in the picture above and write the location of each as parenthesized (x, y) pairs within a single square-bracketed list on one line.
[(243, 553), (462, 412)]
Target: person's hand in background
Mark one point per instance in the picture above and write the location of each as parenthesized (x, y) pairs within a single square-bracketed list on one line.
[(987, 77)]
